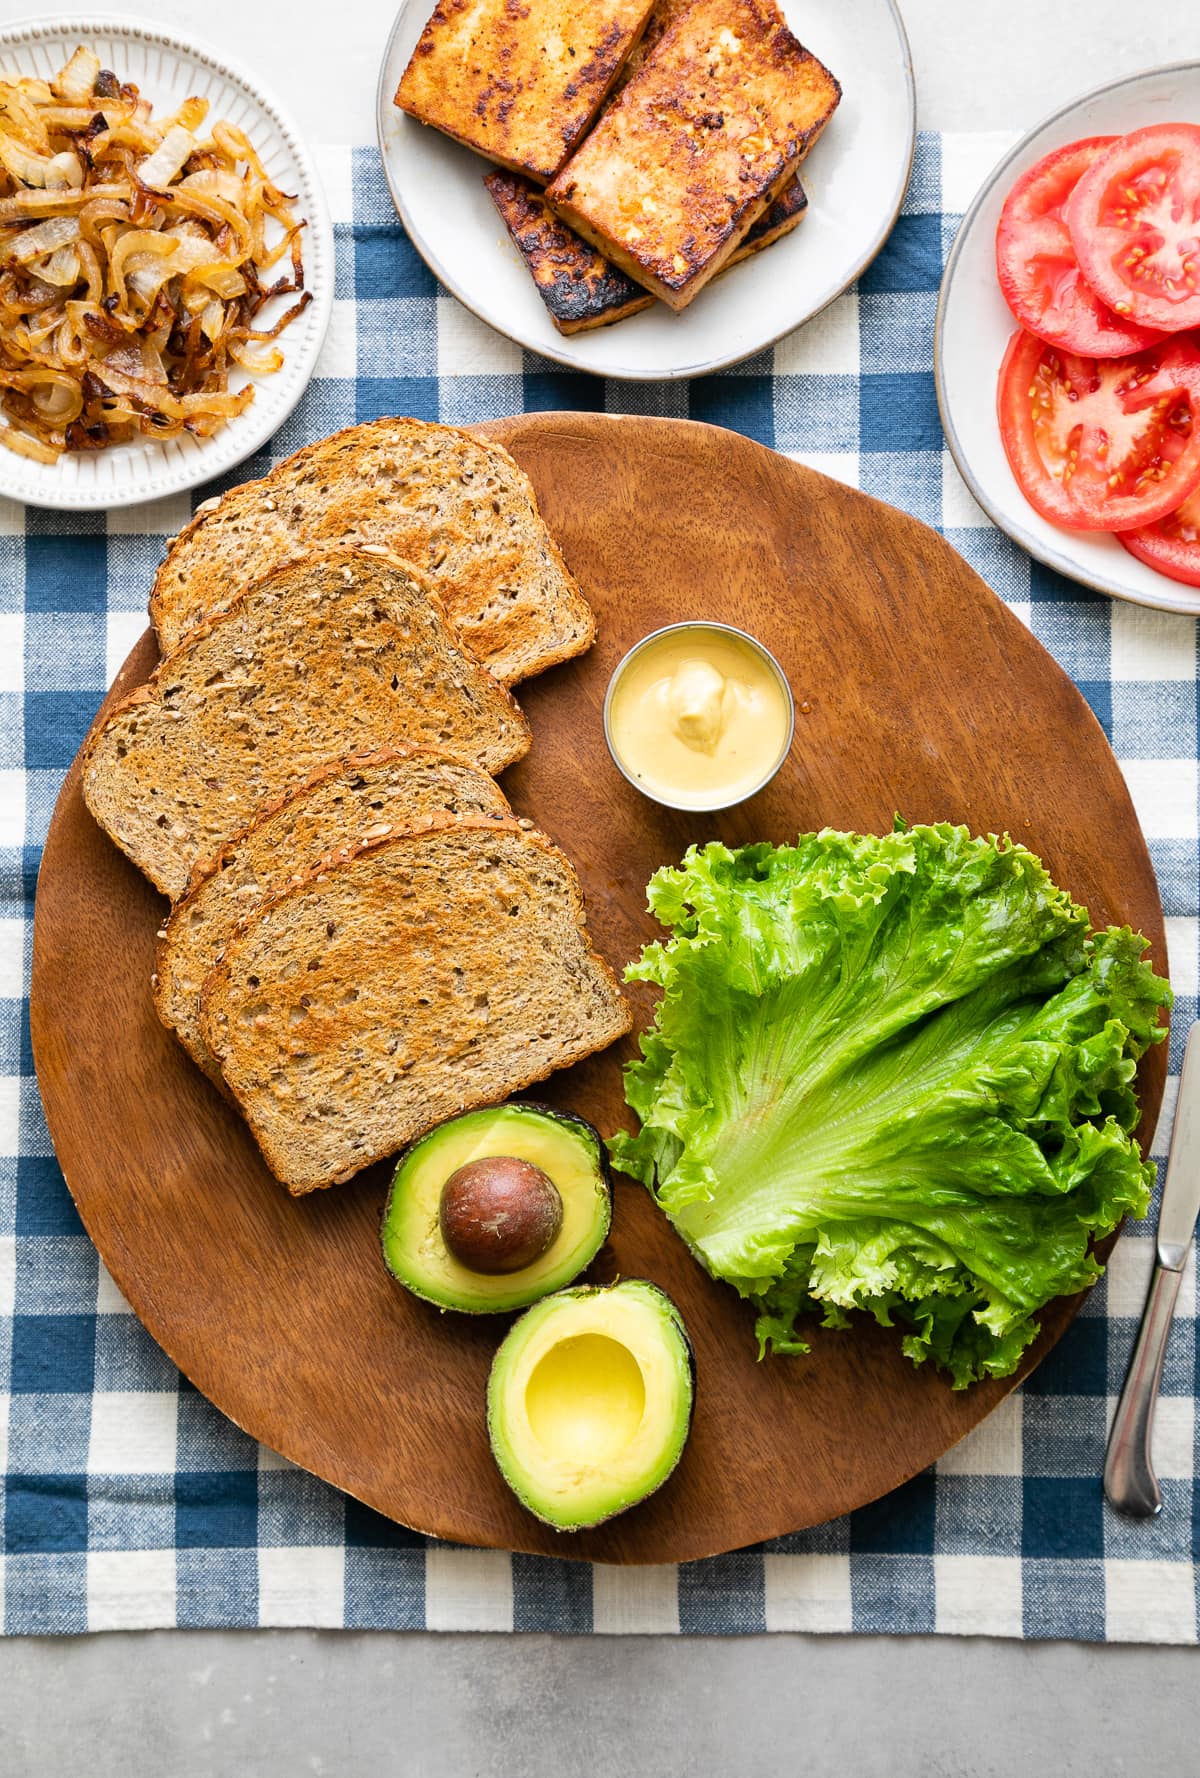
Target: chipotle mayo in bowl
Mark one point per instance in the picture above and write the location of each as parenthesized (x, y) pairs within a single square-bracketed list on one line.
[(699, 716)]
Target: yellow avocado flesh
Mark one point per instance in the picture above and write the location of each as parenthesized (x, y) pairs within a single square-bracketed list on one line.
[(566, 1151), (586, 1399), (589, 1402)]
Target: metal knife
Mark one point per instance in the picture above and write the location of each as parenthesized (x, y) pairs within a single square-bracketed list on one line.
[(1129, 1479)]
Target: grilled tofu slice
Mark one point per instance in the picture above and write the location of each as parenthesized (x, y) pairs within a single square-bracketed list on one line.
[(520, 80), (579, 287), (778, 219), (702, 140), (659, 23)]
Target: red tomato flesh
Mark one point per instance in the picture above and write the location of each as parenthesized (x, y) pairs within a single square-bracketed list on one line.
[(1172, 545), (1038, 268), (1101, 444), (1134, 220)]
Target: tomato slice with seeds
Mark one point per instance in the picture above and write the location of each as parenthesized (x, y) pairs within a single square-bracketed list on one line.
[(1172, 545), (1101, 444), (1134, 220), (1038, 267)]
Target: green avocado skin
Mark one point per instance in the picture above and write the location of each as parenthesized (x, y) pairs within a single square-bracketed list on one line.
[(566, 1147), (638, 1486)]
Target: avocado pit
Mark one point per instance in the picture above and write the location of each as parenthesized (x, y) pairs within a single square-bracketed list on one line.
[(499, 1214), (422, 1248)]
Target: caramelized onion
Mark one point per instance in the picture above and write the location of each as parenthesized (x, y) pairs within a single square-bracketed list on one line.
[(136, 255)]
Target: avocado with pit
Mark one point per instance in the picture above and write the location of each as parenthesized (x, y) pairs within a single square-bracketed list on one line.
[(492, 1210), (589, 1401)]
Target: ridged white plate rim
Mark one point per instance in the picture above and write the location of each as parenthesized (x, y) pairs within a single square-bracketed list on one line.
[(1093, 559), (691, 334), (128, 475)]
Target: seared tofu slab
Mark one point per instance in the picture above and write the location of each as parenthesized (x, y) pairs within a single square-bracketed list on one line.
[(661, 19), (577, 284), (579, 287), (703, 138), (519, 80)]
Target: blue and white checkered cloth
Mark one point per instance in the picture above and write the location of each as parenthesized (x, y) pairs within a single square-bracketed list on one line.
[(129, 1502)]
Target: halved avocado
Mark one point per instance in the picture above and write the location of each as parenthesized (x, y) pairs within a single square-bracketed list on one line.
[(590, 1401), (566, 1149)]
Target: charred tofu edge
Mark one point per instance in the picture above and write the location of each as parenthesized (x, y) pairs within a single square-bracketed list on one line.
[(581, 289)]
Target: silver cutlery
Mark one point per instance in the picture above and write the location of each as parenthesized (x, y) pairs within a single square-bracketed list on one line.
[(1129, 1479)]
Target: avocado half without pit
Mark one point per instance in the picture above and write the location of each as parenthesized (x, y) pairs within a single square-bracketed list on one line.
[(590, 1401), (493, 1210)]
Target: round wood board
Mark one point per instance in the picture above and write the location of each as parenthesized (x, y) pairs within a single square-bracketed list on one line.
[(916, 691)]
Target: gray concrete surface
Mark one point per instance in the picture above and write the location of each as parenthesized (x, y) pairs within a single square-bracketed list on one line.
[(190, 1704), (208, 1705)]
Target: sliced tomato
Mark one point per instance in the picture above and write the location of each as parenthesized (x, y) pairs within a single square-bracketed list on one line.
[(1038, 269), (1108, 444), (1172, 545), (1134, 219)]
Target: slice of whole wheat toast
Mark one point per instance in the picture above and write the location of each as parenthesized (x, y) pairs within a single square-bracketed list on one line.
[(420, 976), (330, 655), (364, 797), (456, 507)]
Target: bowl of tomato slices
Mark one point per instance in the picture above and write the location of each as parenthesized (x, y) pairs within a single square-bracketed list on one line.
[(1067, 342)]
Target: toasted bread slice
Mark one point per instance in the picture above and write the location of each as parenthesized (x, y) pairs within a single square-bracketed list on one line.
[(364, 797), (423, 975), (330, 655), (580, 289), (697, 146), (519, 82), (458, 508)]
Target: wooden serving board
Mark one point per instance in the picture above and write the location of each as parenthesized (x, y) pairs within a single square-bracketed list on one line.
[(916, 690)]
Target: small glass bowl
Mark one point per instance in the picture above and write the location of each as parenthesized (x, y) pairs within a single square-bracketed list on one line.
[(701, 626)]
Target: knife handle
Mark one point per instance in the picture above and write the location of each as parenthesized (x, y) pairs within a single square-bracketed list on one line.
[(1129, 1479)]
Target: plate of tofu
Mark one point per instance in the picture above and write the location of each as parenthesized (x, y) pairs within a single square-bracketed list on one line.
[(647, 189)]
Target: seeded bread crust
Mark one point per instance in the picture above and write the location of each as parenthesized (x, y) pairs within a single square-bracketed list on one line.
[(419, 976), (364, 797), (458, 508), (323, 657)]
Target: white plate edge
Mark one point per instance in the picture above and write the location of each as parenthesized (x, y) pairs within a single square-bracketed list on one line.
[(1177, 603), (34, 29), (557, 354)]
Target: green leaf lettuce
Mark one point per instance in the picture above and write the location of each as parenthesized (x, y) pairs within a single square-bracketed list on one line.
[(893, 1074)]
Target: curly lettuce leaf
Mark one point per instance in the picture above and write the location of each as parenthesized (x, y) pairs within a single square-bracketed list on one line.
[(891, 1074)]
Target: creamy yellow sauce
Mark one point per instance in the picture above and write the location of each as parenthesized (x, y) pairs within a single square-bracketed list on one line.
[(698, 718)]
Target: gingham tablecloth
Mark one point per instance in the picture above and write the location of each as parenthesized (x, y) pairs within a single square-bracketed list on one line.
[(128, 1501)]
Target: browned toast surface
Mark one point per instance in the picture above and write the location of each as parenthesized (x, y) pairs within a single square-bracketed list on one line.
[(519, 80), (331, 654), (338, 806), (417, 976), (704, 137), (580, 288), (458, 507)]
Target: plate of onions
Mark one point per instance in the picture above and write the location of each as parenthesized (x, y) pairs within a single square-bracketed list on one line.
[(166, 264)]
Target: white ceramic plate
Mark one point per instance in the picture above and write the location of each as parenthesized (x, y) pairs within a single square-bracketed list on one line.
[(974, 326), (167, 70), (855, 180)]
